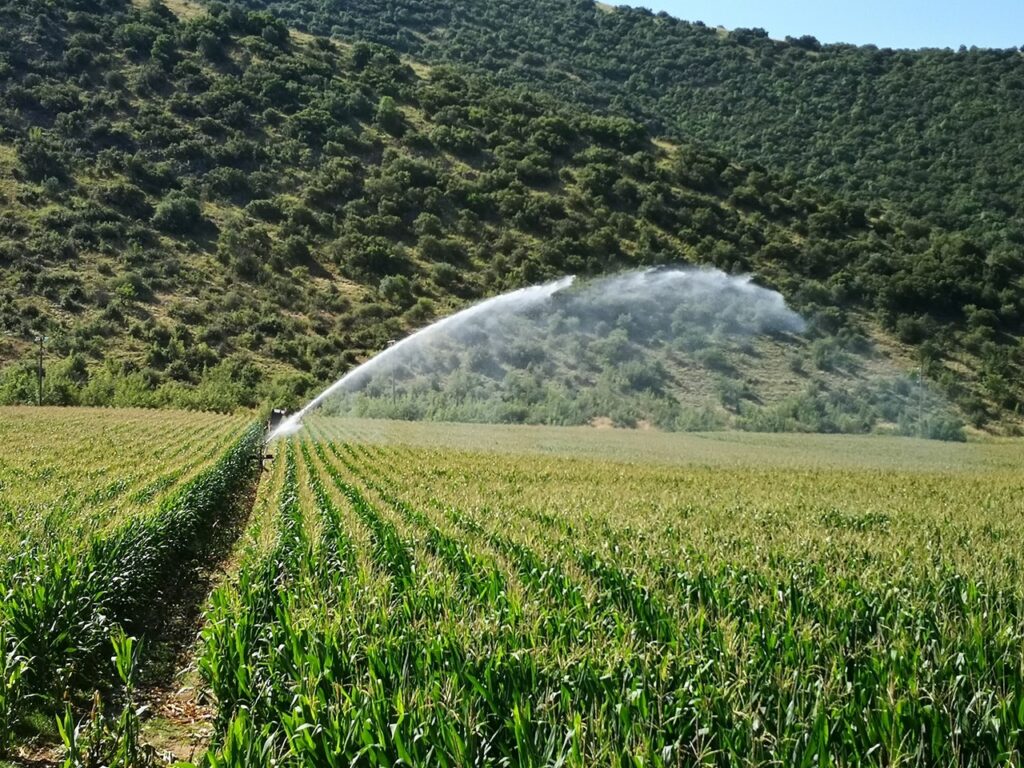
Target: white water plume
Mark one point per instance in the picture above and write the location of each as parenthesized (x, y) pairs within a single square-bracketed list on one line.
[(507, 304), (549, 321), (707, 300)]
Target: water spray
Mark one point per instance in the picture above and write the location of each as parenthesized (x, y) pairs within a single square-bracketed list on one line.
[(673, 347), (512, 303)]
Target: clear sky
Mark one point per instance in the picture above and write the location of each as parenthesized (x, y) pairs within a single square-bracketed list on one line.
[(886, 23)]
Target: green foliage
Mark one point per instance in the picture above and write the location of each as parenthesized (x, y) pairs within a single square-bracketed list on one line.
[(13, 666), (568, 368), (269, 191), (177, 214), (105, 742), (438, 605), (82, 591), (388, 116), (18, 384), (778, 102), (39, 160)]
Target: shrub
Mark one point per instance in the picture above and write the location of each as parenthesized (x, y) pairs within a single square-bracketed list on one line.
[(178, 214)]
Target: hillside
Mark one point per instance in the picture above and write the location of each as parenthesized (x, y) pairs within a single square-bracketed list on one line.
[(933, 132), (936, 130), (208, 210)]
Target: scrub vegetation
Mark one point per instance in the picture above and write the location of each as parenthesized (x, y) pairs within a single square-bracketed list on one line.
[(207, 209)]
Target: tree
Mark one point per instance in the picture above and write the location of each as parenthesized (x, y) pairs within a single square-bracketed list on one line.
[(39, 159), (397, 289), (245, 245), (389, 117)]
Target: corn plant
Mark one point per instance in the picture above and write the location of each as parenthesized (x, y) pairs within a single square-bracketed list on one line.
[(102, 741), (63, 600), (465, 607), (13, 693)]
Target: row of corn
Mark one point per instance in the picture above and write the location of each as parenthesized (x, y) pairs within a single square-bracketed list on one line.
[(64, 600)]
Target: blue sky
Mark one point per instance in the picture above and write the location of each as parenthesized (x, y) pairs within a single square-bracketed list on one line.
[(886, 23)]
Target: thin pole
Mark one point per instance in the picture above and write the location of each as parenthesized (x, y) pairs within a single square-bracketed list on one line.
[(39, 372), (394, 396), (920, 401)]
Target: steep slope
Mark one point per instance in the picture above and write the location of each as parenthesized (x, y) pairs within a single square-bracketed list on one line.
[(207, 210)]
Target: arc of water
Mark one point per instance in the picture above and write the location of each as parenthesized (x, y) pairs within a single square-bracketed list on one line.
[(515, 301)]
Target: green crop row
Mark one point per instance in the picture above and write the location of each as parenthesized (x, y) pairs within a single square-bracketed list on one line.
[(74, 475), (62, 601)]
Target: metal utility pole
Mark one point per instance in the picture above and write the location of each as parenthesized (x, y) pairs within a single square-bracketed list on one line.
[(394, 395), (39, 371)]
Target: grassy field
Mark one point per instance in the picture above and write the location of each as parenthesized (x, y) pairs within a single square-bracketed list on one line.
[(453, 595)]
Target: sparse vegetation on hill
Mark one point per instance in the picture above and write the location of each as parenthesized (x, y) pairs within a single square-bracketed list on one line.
[(936, 130)]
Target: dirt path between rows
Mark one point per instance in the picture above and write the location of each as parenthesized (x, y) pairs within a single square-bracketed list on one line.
[(179, 721)]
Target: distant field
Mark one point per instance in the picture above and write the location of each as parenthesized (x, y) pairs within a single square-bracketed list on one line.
[(714, 448), (457, 595), (71, 473)]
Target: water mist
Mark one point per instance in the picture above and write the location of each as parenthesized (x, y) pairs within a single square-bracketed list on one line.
[(663, 303)]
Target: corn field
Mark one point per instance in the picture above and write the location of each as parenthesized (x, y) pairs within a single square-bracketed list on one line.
[(106, 512), (69, 474), (400, 603), (413, 594)]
